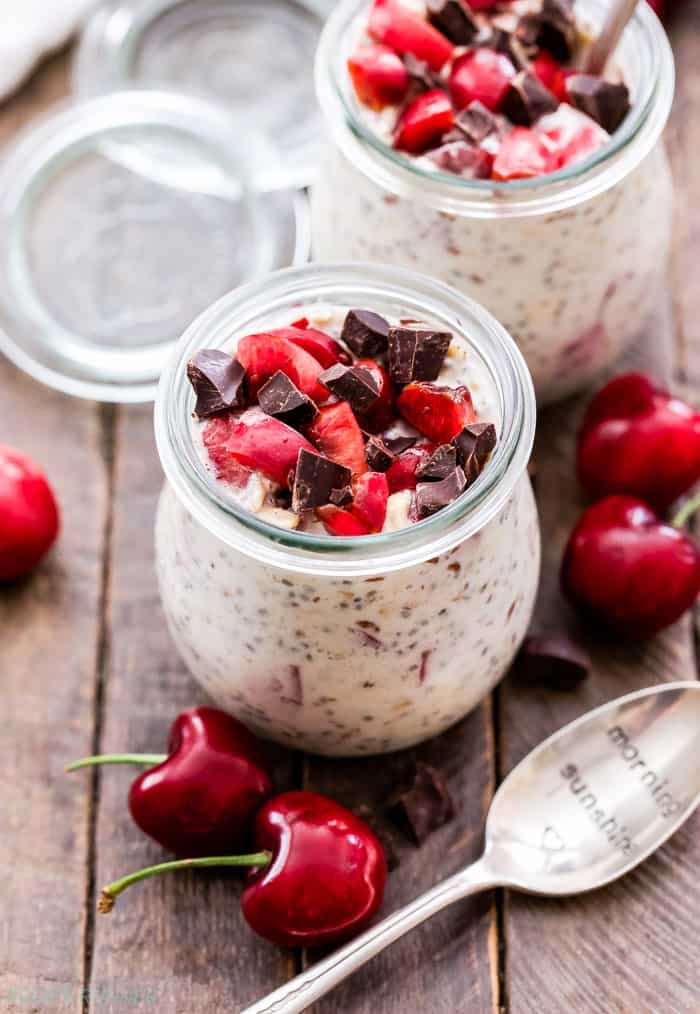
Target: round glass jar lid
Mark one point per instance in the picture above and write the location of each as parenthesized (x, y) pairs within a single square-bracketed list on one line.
[(123, 217), (254, 57)]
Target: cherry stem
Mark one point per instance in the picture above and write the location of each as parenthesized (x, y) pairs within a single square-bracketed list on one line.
[(109, 894), (118, 758), (686, 512)]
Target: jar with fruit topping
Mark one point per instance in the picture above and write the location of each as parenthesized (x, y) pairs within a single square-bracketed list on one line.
[(350, 645), (570, 262)]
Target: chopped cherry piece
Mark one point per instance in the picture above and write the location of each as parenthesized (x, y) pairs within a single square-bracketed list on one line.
[(215, 436), (379, 76), (261, 355), (371, 496), (483, 5), (407, 32), (522, 155), (551, 74), (381, 413), (318, 344), (440, 413), (480, 75), (571, 136), (302, 322), (338, 521), (336, 433), (402, 473), (263, 443), (424, 121)]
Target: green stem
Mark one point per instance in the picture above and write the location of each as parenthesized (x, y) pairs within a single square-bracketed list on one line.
[(108, 895), (686, 512), (118, 758)]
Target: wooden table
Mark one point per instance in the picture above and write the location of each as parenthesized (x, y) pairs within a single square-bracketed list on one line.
[(87, 666)]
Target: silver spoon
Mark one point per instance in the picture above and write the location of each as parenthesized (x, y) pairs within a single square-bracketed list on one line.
[(585, 807), (602, 48)]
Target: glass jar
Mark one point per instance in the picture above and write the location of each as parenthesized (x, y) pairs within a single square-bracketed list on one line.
[(349, 645), (570, 263)]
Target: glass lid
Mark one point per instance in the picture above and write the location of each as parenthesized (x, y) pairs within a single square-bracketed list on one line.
[(123, 217)]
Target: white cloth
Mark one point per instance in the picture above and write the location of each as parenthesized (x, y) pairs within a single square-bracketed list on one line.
[(31, 28)]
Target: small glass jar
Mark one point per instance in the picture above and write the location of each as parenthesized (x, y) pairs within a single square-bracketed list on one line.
[(349, 645), (570, 263)]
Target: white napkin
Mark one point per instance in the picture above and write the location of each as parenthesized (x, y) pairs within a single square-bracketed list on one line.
[(31, 28)]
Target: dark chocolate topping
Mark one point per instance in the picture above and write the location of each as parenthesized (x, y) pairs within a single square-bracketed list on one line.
[(219, 381), (454, 19), (424, 807), (518, 50), (441, 463), (377, 455), (397, 445), (476, 122), (552, 28), (474, 444), (606, 102), (341, 497), (462, 158), (365, 332), (416, 354), (433, 496), (315, 480), (420, 73), (526, 100), (554, 662), (280, 397), (352, 384)]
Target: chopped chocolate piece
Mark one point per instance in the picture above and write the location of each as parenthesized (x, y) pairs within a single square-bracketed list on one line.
[(425, 806), (420, 73), (341, 497), (219, 381), (282, 498), (365, 332), (513, 46), (280, 397), (352, 384), (385, 834), (464, 159), (526, 100), (433, 496), (378, 456), (473, 445), (606, 102), (454, 19), (397, 445), (554, 662), (315, 480), (441, 463), (416, 355), (552, 28), (476, 122)]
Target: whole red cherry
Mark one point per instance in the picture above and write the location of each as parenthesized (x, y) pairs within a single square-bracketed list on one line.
[(638, 438), (29, 518), (627, 568)]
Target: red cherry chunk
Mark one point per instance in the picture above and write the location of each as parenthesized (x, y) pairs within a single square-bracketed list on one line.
[(424, 121), (29, 519), (392, 24), (480, 75), (401, 474), (216, 436), (572, 136), (381, 413), (261, 355), (440, 413), (379, 76), (523, 154), (338, 521), (265, 444), (371, 495), (326, 350), (551, 74), (336, 433)]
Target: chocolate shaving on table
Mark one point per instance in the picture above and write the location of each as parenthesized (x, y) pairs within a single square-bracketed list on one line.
[(454, 19), (378, 456), (353, 384), (424, 807), (606, 102), (431, 497), (315, 479), (366, 333), (526, 100), (554, 662), (341, 497), (416, 354), (397, 445), (219, 382), (420, 73), (476, 122), (473, 445), (441, 463), (280, 397)]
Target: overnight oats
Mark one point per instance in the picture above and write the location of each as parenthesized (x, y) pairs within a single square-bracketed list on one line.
[(467, 143), (347, 545)]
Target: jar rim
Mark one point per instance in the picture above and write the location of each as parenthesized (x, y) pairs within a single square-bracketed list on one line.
[(644, 40), (346, 284)]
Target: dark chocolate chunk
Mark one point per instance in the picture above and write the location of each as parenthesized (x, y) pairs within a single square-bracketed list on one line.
[(511, 45), (454, 19), (352, 384), (282, 498), (424, 807), (378, 456), (476, 122), (464, 159), (441, 463), (433, 496), (554, 662), (341, 497), (397, 445), (280, 397), (552, 28), (420, 73), (315, 480), (474, 444), (526, 100), (219, 381), (416, 354), (606, 102), (365, 332), (384, 833)]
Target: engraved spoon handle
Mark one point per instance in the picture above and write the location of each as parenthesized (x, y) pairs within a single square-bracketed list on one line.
[(297, 994)]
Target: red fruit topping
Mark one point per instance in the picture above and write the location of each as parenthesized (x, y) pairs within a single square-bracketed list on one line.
[(338, 521), (402, 473), (440, 413), (483, 5), (215, 436), (317, 343), (29, 519), (379, 76), (572, 137), (480, 75), (638, 439), (630, 570), (261, 355), (302, 322), (424, 121), (522, 155), (551, 74), (336, 433), (382, 412), (371, 495), (260, 442), (407, 32)]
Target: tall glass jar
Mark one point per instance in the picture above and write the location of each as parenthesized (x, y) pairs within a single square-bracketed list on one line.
[(349, 645), (570, 263)]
